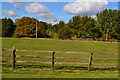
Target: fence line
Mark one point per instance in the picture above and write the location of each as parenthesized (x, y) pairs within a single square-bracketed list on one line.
[(57, 63), (53, 58), (69, 52), (29, 56)]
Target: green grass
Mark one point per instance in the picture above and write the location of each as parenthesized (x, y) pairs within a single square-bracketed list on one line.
[(39, 73), (61, 71), (60, 45)]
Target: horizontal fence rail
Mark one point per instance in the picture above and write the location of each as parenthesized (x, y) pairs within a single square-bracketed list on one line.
[(69, 52), (28, 56), (52, 57), (56, 63)]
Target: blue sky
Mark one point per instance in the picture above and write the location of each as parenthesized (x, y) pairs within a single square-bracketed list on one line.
[(52, 11)]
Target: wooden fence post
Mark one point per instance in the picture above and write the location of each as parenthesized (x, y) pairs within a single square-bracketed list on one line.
[(53, 53), (90, 62), (14, 57)]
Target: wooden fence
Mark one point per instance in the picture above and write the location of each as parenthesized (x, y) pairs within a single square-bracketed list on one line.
[(53, 58)]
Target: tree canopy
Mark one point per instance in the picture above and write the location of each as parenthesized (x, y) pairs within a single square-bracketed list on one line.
[(26, 27), (109, 21), (106, 22), (8, 27)]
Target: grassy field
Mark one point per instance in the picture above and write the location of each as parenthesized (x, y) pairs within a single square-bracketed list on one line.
[(60, 45), (61, 71)]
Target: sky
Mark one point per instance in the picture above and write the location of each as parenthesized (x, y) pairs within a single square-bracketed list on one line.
[(54, 11)]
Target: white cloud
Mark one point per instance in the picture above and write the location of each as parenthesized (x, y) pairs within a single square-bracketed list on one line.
[(38, 0), (36, 8), (49, 16), (16, 4), (58, 0), (42, 10), (55, 1), (9, 13), (90, 7), (51, 0), (0, 11)]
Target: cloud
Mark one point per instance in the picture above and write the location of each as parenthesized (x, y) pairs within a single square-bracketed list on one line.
[(16, 4), (42, 10), (36, 8), (38, 0), (56, 0), (87, 7), (20, 0), (51, 0), (49, 16), (0, 11), (9, 13)]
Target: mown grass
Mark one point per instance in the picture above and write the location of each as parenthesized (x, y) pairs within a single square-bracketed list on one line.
[(60, 45), (61, 71), (41, 73)]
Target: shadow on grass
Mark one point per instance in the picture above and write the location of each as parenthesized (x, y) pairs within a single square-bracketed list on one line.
[(109, 69), (61, 67)]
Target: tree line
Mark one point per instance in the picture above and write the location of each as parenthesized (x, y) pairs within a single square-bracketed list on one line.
[(106, 23)]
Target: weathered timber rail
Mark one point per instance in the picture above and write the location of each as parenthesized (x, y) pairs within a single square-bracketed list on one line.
[(69, 52), (53, 58), (29, 56)]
